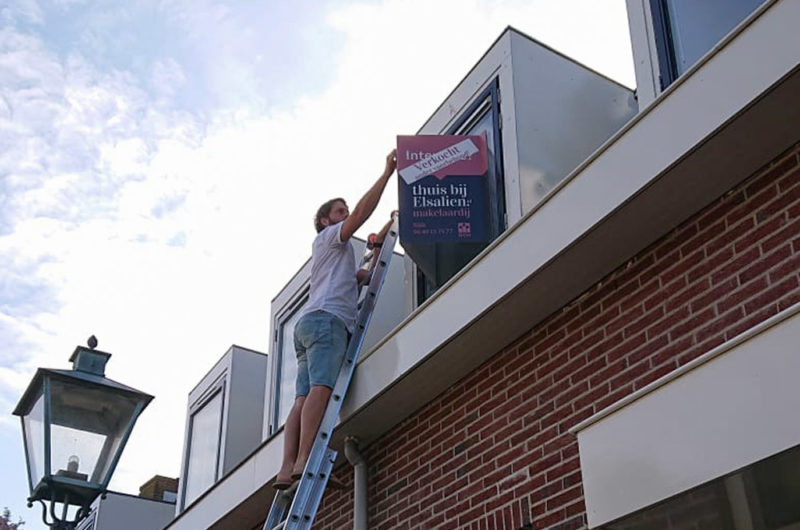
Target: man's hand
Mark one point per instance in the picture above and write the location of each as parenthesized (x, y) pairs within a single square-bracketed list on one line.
[(391, 163), (377, 239)]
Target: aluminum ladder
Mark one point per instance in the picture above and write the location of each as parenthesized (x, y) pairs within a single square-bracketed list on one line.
[(295, 508)]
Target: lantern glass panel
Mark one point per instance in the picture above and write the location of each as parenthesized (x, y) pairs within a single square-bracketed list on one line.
[(33, 425), (87, 427)]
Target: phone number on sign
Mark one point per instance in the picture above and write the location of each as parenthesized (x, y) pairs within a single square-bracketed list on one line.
[(433, 231)]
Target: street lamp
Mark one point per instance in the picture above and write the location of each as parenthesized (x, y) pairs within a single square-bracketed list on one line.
[(75, 424)]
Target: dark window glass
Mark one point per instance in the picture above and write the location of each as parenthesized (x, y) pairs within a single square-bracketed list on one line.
[(777, 483), (686, 29), (443, 260), (763, 496)]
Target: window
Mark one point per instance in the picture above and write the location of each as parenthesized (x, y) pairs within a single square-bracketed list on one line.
[(285, 363), (224, 421), (480, 118), (763, 496), (686, 29), (205, 431)]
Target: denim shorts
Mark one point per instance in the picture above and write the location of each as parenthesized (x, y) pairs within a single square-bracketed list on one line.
[(320, 342)]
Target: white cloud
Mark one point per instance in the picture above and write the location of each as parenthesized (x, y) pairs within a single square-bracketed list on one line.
[(27, 11), (167, 77)]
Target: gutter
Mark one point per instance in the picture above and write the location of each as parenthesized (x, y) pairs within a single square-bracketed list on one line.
[(360, 500)]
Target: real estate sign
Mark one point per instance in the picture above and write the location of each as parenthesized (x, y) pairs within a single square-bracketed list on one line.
[(442, 188)]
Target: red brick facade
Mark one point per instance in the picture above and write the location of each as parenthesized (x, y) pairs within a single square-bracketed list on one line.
[(493, 451)]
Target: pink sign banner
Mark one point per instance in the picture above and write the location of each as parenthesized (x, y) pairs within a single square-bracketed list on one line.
[(439, 155), (442, 189)]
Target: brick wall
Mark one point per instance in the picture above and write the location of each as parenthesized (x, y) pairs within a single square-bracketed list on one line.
[(493, 451), (157, 486)]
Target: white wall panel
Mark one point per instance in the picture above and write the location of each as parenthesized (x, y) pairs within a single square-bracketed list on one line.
[(735, 407)]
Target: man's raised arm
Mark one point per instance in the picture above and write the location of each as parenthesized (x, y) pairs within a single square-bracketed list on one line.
[(363, 275), (366, 205)]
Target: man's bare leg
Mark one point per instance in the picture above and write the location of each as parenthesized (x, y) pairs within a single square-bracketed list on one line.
[(291, 440), (312, 411)]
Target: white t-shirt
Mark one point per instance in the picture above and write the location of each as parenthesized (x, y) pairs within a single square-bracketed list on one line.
[(334, 287)]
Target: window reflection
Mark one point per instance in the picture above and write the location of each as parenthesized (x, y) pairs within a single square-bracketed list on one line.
[(442, 261), (287, 366), (691, 28), (763, 496), (204, 440)]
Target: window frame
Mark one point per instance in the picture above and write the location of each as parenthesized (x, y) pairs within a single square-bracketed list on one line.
[(665, 44), (469, 117), (289, 310), (216, 388)]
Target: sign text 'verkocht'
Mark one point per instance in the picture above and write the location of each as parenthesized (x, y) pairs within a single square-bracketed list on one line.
[(442, 188)]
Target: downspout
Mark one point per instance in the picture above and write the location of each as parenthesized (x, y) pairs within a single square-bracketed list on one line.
[(360, 489)]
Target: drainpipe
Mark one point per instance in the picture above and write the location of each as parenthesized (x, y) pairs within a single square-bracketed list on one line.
[(360, 490)]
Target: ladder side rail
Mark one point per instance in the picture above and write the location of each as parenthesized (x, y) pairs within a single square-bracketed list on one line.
[(303, 504), (278, 510), (282, 500), (331, 415)]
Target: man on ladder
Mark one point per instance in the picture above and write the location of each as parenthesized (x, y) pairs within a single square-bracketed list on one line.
[(322, 333)]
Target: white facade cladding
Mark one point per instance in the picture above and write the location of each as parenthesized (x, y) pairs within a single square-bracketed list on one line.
[(223, 421), (615, 200)]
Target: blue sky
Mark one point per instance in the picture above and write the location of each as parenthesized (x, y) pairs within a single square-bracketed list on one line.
[(160, 161)]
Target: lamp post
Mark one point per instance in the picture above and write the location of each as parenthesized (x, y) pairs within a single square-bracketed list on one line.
[(75, 424)]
